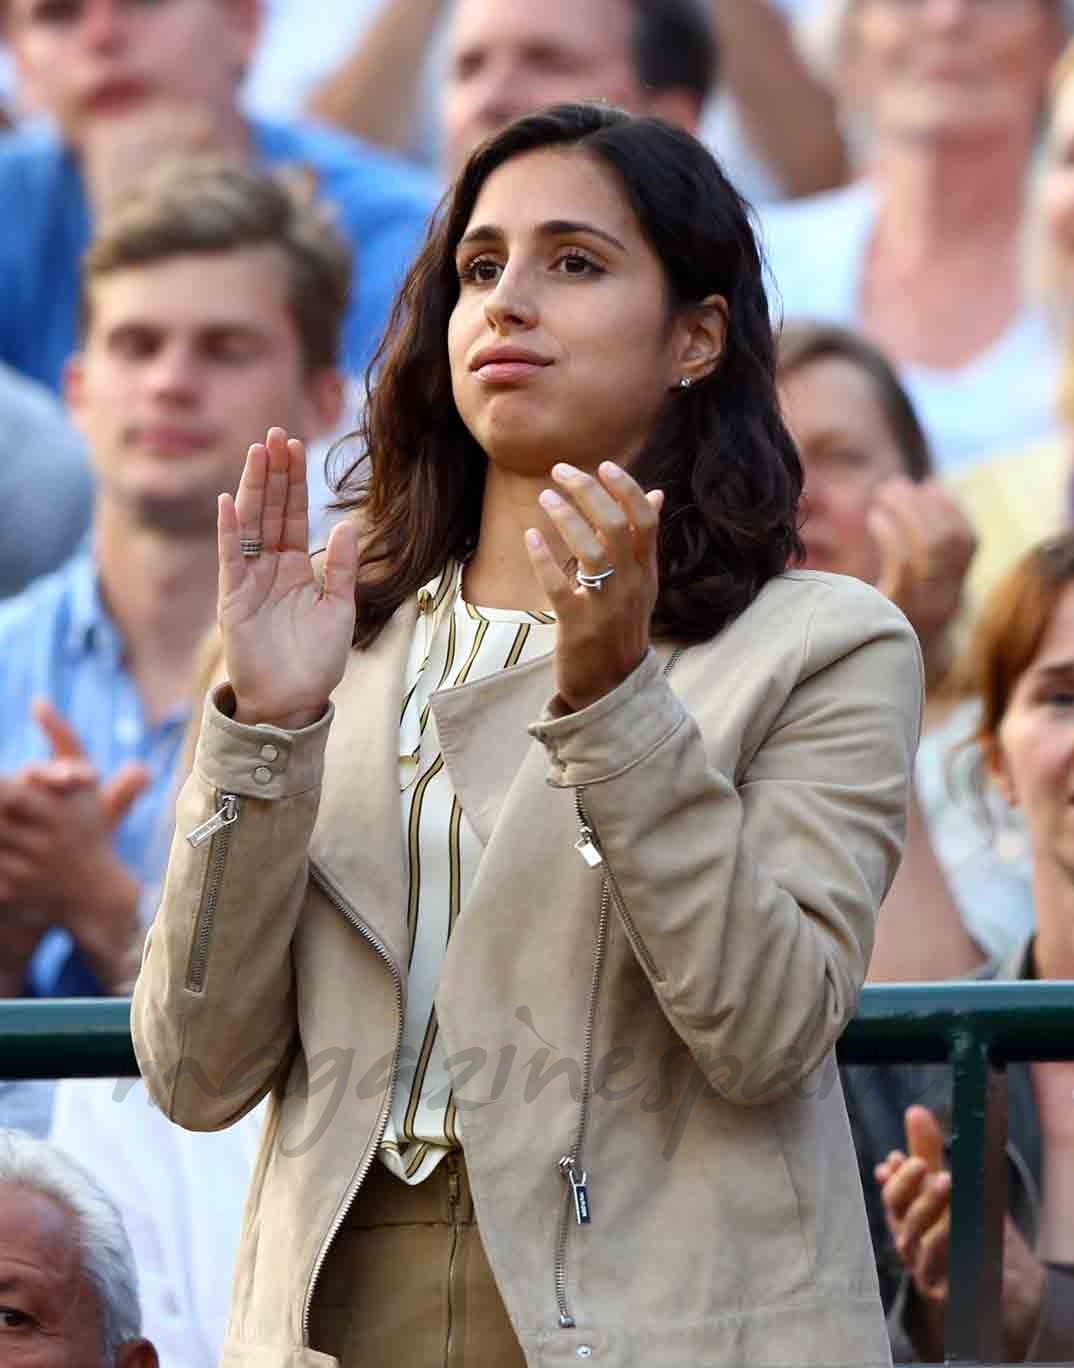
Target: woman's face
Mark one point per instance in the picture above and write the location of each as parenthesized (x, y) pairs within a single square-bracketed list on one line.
[(561, 344), (1056, 200), (952, 68), (847, 450), (1032, 758)]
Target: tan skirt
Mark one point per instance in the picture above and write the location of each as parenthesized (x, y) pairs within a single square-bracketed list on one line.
[(407, 1283)]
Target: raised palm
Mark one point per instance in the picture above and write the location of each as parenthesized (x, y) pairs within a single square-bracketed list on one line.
[(286, 633)]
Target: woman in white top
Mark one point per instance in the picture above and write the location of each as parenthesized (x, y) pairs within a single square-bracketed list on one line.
[(924, 253)]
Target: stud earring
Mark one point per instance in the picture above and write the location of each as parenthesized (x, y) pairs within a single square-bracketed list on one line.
[(685, 382)]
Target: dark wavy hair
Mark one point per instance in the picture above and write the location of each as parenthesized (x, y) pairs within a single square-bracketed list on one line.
[(720, 451)]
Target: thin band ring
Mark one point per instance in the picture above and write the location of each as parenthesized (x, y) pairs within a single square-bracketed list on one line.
[(251, 547), (595, 581)]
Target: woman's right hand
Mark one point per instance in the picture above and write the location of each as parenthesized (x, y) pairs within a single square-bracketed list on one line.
[(285, 634)]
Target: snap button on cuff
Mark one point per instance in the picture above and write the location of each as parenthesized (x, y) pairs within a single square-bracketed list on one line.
[(584, 1351), (270, 753), (262, 775)]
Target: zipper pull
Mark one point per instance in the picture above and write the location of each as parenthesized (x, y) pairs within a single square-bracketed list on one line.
[(587, 847), (579, 1184), (226, 816)]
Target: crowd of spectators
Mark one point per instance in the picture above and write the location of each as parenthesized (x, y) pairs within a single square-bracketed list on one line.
[(211, 206)]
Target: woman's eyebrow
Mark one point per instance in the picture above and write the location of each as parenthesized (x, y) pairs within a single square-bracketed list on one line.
[(487, 232), (568, 227), (1059, 669)]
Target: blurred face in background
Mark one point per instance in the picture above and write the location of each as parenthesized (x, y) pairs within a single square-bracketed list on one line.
[(185, 362), (951, 69), (510, 57), (1032, 756), (847, 448), (86, 62)]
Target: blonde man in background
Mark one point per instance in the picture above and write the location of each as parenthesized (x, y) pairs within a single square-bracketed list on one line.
[(213, 303)]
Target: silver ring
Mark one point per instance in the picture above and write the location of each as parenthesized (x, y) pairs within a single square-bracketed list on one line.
[(251, 547), (594, 581)]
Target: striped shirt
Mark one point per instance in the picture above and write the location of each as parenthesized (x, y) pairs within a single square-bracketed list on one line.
[(454, 643)]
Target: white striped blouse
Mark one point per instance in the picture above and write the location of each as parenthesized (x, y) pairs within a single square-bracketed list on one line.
[(454, 642)]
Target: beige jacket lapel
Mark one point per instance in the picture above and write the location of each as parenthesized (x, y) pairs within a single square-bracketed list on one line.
[(483, 737), (359, 821)]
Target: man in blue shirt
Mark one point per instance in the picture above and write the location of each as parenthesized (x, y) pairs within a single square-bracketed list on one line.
[(214, 301), (127, 82)]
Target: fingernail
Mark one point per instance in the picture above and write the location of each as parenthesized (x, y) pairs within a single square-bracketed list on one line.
[(548, 498), (611, 470), (562, 471), (533, 539)]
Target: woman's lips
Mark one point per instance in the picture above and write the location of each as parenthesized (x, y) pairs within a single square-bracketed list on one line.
[(506, 363), (506, 372)]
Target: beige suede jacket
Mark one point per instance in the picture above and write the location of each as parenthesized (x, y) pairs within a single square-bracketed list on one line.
[(668, 933)]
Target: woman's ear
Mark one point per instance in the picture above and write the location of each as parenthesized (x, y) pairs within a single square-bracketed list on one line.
[(998, 771), (703, 338)]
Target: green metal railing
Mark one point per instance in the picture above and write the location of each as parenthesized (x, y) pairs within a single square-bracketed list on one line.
[(978, 1027)]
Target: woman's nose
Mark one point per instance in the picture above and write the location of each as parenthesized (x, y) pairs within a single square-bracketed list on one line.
[(510, 304)]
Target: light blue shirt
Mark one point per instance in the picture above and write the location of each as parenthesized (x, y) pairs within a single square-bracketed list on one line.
[(382, 205), (57, 641)]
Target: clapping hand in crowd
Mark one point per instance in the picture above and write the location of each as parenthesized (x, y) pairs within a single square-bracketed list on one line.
[(926, 545), (916, 1189), (57, 865)]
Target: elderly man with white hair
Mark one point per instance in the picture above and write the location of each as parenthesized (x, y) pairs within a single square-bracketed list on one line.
[(68, 1287)]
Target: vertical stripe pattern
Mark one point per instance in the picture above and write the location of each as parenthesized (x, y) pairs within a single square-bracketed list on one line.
[(454, 642)]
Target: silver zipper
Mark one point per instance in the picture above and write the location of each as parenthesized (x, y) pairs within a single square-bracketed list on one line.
[(226, 816), (218, 830), (636, 940), (344, 908), (571, 1167)]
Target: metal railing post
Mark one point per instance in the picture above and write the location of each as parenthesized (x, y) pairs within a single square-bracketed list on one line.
[(973, 1326)]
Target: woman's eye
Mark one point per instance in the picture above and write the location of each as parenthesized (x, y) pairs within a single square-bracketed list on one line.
[(574, 263), (1060, 698), (482, 271), (12, 1319)]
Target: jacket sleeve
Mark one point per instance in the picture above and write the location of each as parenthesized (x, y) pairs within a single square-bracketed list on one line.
[(213, 1013), (751, 905)]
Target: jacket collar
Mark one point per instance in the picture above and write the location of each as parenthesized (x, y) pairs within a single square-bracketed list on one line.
[(482, 733), (359, 820)]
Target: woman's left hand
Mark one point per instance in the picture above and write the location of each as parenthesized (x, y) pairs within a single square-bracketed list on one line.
[(608, 522)]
